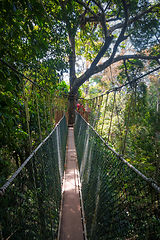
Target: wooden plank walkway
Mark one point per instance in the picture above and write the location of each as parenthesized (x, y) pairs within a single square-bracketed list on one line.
[(71, 223)]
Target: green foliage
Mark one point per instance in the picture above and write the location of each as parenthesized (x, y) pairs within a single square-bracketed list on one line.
[(95, 86), (41, 116), (14, 138), (62, 89), (88, 41), (130, 70), (145, 32), (36, 46), (140, 138), (27, 39), (132, 126)]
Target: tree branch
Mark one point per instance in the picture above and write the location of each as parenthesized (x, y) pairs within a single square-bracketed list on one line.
[(103, 19), (87, 8), (137, 17), (121, 36), (93, 19), (79, 81), (103, 23), (106, 64), (107, 5), (108, 39), (113, 19), (98, 5)]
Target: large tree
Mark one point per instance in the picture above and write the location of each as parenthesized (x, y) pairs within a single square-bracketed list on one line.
[(98, 28)]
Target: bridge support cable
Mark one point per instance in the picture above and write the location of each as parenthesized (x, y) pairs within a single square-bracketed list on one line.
[(30, 200), (104, 114), (45, 114), (127, 125), (110, 124), (39, 124), (27, 118), (119, 201), (100, 100), (118, 119)]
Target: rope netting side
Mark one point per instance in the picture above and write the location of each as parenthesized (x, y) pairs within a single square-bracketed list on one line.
[(113, 122), (119, 201), (28, 113), (30, 200)]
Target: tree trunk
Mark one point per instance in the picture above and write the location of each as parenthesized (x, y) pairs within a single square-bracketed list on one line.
[(87, 81), (72, 59), (71, 109), (72, 97)]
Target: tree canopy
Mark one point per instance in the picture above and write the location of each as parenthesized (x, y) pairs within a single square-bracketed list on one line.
[(50, 31), (29, 42), (99, 29)]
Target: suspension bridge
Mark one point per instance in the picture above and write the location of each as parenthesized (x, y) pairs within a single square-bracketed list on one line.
[(74, 185)]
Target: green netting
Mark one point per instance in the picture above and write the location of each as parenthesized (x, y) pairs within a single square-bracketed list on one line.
[(119, 202), (29, 208)]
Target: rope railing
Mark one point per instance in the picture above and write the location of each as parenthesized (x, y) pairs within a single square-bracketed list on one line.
[(128, 121), (30, 200), (119, 201)]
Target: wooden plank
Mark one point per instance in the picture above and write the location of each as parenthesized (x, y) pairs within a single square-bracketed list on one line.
[(71, 223)]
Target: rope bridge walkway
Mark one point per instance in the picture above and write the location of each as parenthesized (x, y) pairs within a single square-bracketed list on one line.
[(51, 196), (71, 223), (118, 201)]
